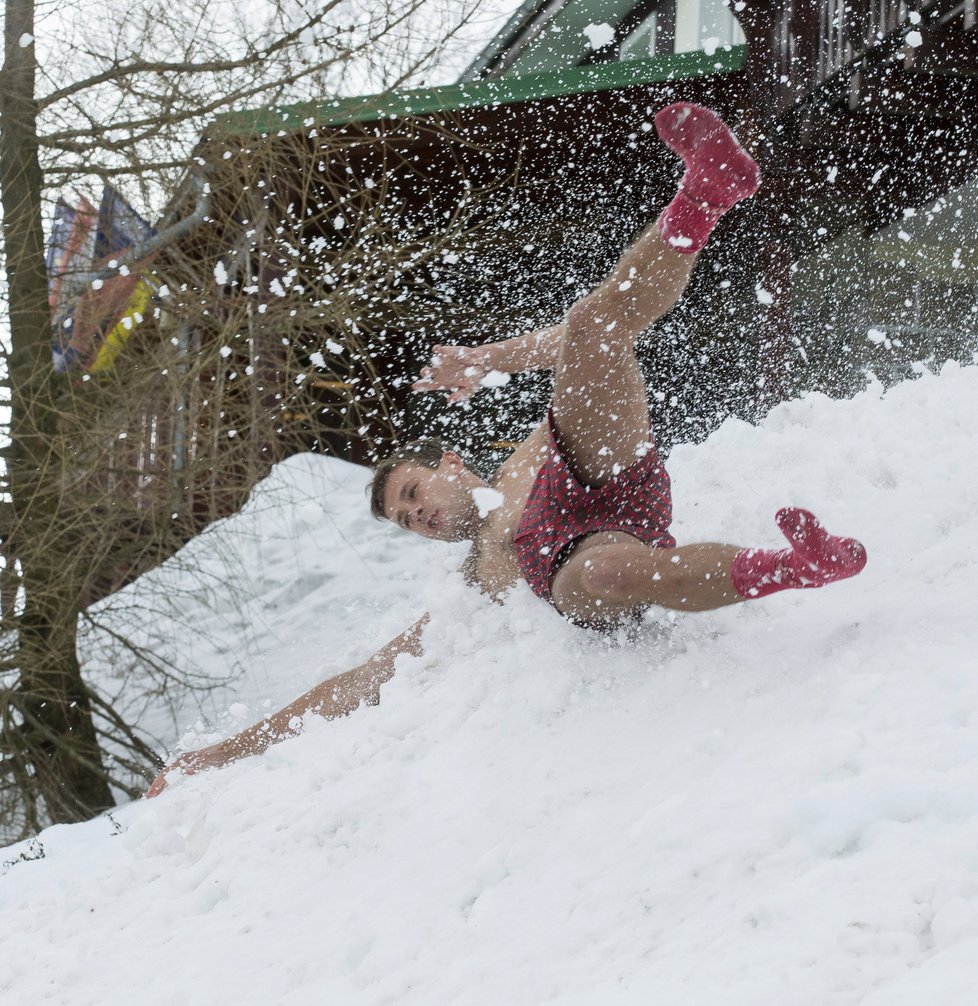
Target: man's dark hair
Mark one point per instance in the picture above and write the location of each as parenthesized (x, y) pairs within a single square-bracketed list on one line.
[(419, 452)]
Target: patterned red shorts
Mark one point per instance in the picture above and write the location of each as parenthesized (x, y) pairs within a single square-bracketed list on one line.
[(560, 511)]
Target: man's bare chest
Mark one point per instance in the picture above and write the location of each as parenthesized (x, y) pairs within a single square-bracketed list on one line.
[(494, 566)]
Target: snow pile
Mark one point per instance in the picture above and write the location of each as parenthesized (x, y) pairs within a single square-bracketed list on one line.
[(773, 803)]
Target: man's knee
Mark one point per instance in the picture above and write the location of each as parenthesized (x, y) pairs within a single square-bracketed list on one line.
[(591, 326)]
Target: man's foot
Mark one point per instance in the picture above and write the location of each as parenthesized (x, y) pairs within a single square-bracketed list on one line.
[(719, 172), (814, 559), (822, 557)]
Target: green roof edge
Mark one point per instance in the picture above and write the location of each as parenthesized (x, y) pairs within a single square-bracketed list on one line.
[(478, 94)]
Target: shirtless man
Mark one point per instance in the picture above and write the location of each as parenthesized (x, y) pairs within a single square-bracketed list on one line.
[(581, 510)]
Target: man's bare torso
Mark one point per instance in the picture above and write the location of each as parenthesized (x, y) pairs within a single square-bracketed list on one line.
[(492, 565)]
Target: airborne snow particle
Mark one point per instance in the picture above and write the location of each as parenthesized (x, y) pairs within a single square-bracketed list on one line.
[(487, 500), (599, 35), (914, 39), (495, 379), (763, 296), (220, 274), (25, 40)]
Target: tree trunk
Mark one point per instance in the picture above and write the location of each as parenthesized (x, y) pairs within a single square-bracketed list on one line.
[(56, 736)]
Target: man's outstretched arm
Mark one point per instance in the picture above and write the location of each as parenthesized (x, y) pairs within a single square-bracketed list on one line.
[(461, 369), (331, 699)]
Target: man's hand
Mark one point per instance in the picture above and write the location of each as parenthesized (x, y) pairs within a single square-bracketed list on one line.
[(189, 764), (458, 369)]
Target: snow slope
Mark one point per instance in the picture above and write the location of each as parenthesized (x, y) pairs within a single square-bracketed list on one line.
[(773, 803)]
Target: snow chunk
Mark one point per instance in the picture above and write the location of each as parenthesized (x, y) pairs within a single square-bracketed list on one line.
[(599, 35), (763, 296), (914, 39), (495, 379), (487, 500), (25, 40), (220, 274)]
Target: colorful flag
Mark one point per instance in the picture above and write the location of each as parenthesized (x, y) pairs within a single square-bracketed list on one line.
[(69, 258), (94, 318)]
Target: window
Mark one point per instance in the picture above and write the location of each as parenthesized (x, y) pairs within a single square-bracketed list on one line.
[(683, 26), (563, 33)]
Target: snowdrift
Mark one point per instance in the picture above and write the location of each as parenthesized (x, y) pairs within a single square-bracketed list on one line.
[(774, 803)]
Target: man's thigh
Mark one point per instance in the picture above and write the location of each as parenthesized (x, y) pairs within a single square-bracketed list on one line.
[(600, 407), (581, 586)]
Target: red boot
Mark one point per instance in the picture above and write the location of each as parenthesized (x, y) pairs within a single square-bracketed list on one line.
[(719, 173), (814, 559)]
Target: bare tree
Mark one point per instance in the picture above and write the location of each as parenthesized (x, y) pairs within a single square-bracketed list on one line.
[(90, 497)]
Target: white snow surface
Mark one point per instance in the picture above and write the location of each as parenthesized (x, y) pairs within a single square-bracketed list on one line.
[(772, 803)]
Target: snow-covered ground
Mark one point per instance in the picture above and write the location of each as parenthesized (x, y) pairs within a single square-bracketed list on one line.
[(773, 803)]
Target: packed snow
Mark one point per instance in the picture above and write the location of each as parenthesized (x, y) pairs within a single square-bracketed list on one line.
[(772, 803)]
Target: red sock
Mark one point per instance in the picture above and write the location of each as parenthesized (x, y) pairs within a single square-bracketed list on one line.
[(719, 173), (814, 559)]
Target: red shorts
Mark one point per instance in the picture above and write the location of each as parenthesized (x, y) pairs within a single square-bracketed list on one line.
[(560, 511)]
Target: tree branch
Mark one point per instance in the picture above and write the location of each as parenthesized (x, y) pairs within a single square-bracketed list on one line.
[(141, 66)]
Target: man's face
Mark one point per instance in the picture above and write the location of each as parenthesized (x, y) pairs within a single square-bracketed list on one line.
[(433, 502)]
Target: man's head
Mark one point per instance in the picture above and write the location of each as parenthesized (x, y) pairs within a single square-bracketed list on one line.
[(426, 489)]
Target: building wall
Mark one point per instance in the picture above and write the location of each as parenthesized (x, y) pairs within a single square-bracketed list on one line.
[(884, 303)]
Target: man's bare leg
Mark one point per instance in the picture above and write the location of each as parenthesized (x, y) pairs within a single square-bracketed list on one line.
[(600, 408), (610, 575)]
